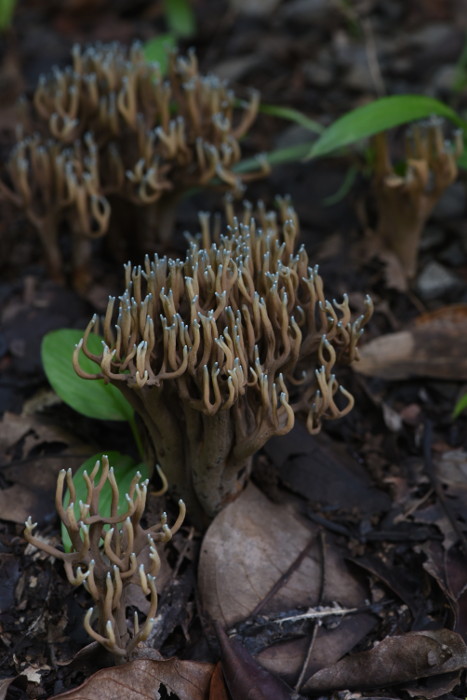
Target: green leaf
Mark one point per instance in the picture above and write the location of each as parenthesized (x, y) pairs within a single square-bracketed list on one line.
[(344, 189), (180, 18), (125, 468), (157, 50), (378, 116), (7, 7), (292, 115), (94, 399), (462, 160), (460, 406)]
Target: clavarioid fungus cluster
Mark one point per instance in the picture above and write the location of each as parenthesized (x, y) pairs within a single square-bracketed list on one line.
[(217, 351), (111, 132), (405, 201), (108, 553)]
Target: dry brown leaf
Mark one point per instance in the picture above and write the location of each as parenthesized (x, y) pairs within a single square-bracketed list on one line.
[(33, 477), (247, 549), (217, 689), (141, 680), (394, 660), (18, 502), (244, 677), (434, 346), (319, 469), (451, 468), (4, 685)]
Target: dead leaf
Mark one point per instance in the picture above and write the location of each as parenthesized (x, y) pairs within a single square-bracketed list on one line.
[(217, 689), (433, 687), (435, 345), (33, 476), (245, 678), (18, 502), (451, 468), (4, 685), (393, 661), (449, 570), (317, 468), (394, 274), (142, 679), (247, 549)]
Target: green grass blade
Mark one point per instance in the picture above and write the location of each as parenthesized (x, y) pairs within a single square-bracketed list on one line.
[(292, 115), (460, 406), (347, 184), (378, 116), (125, 468), (291, 154), (94, 399)]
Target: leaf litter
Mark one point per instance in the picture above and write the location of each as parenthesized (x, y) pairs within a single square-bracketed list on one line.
[(352, 576)]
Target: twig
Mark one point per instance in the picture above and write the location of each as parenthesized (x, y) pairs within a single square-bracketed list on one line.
[(284, 578), (316, 624)]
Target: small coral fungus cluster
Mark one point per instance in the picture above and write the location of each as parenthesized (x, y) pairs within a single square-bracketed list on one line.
[(216, 351), (110, 131), (110, 553), (404, 202)]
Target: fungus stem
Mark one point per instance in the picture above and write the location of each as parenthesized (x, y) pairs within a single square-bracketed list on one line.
[(136, 435)]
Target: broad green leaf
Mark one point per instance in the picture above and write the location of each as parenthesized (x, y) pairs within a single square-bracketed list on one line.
[(7, 7), (460, 406), (125, 468), (94, 399), (292, 115), (378, 116), (157, 50), (180, 18)]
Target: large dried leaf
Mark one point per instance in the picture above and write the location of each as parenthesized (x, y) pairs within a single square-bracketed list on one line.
[(247, 549), (142, 680), (394, 660), (435, 346), (317, 468)]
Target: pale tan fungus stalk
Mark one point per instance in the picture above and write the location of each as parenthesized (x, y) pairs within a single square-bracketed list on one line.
[(207, 350), (108, 553), (404, 202)]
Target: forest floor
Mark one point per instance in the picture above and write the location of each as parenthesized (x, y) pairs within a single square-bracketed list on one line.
[(357, 535)]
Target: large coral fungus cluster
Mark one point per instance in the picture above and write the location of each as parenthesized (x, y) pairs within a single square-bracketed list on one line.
[(111, 130), (216, 351)]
